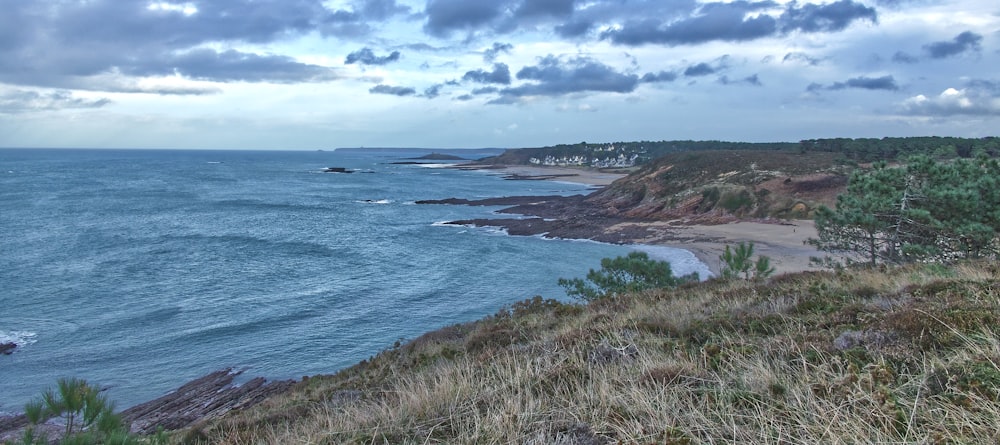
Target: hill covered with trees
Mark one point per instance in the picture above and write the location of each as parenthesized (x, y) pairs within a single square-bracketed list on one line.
[(635, 153)]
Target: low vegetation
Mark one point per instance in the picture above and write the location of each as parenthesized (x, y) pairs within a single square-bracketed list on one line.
[(738, 262), (903, 355), (87, 417)]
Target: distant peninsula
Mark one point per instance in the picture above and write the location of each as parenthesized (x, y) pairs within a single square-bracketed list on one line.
[(440, 157)]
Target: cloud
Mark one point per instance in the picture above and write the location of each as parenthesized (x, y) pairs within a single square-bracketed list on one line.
[(366, 56), (978, 97), (800, 58), (447, 16), (713, 21), (753, 80), (829, 17), (886, 83), (392, 91), (701, 69), (555, 77), (25, 101), (966, 41), (902, 57), (739, 21), (358, 21), (485, 90), (230, 66), (59, 44), (552, 8), (433, 91), (491, 54), (499, 75), (574, 28), (662, 76)]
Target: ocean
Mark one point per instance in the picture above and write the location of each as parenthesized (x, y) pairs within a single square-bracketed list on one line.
[(140, 270)]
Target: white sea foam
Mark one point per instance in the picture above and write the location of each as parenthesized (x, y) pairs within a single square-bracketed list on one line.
[(375, 201), (19, 338), (682, 261)]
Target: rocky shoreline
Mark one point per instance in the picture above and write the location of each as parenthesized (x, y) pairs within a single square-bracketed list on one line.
[(566, 217)]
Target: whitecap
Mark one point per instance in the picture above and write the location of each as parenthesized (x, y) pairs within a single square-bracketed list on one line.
[(375, 201), (19, 338)]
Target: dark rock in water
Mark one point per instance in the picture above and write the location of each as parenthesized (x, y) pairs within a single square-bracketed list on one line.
[(208, 397), (337, 170), (7, 348)]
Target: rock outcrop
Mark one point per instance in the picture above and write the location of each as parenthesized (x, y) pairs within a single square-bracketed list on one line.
[(206, 398)]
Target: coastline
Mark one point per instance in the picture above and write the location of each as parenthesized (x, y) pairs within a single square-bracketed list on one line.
[(783, 241)]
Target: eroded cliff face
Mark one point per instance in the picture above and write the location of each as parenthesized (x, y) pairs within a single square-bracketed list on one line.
[(719, 185)]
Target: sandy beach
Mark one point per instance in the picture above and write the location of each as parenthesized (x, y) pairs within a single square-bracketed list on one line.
[(784, 242)]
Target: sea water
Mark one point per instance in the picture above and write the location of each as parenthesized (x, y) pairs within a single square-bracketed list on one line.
[(139, 270)]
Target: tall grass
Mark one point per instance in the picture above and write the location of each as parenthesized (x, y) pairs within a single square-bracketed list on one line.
[(908, 355)]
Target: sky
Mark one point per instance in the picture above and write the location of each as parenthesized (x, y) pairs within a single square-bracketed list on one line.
[(312, 74)]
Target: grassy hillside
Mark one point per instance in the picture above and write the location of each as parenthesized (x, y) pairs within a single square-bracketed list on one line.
[(905, 355)]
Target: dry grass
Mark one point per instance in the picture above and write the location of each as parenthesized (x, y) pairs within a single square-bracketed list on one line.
[(902, 356)]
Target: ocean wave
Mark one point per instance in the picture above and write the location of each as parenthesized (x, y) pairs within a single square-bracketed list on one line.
[(19, 338), (374, 201)]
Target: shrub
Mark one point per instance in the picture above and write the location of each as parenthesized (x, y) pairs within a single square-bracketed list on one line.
[(632, 273)]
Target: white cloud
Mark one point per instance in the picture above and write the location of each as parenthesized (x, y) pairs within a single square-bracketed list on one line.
[(972, 100)]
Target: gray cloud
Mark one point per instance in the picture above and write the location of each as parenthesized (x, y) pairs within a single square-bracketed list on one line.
[(447, 16), (433, 91), (554, 77), (966, 41), (801, 58), (499, 75), (491, 54), (485, 90), (886, 83), (825, 18), (753, 80), (662, 76), (739, 21), (553, 8), (700, 69), (24, 101), (715, 21), (574, 28), (392, 90), (366, 56)]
